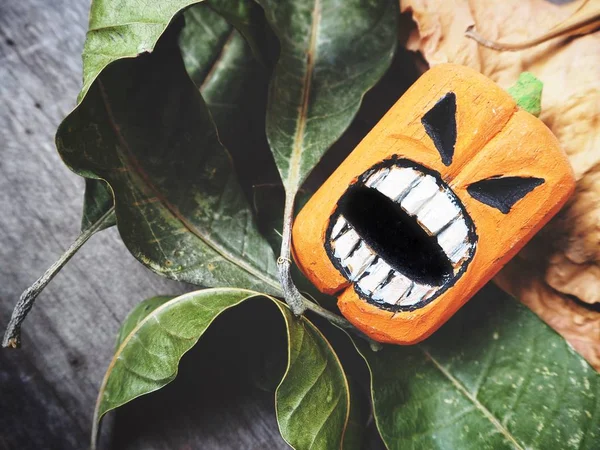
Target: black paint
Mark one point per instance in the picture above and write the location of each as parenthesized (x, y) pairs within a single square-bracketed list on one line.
[(395, 235), (440, 125), (503, 192)]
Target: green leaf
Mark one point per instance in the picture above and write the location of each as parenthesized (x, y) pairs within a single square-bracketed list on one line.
[(331, 54), (234, 86), (527, 92), (123, 29), (249, 20), (495, 376), (144, 128), (211, 45), (97, 201), (139, 313), (312, 400), (125, 32), (117, 29), (221, 64)]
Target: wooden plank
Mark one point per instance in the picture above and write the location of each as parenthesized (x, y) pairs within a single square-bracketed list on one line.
[(32, 414)]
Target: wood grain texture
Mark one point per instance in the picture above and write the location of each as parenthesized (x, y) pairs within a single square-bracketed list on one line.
[(48, 388)]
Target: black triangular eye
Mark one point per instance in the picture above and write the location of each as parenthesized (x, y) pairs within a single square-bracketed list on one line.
[(503, 192), (440, 125)]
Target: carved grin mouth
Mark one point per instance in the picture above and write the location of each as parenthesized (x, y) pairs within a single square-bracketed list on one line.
[(400, 235)]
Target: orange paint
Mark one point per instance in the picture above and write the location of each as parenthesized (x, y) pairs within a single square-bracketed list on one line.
[(493, 140)]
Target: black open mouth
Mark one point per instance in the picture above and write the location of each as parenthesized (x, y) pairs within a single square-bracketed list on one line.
[(400, 235)]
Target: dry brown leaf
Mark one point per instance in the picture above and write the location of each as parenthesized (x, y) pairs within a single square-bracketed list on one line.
[(585, 19), (566, 254)]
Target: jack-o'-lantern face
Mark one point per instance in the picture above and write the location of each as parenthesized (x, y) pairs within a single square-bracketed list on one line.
[(450, 184)]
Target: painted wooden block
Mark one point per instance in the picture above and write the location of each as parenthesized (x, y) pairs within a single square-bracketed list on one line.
[(448, 186)]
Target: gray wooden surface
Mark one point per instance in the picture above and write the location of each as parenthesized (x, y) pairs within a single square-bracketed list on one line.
[(48, 388)]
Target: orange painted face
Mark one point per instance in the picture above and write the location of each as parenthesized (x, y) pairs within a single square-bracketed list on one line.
[(447, 187)]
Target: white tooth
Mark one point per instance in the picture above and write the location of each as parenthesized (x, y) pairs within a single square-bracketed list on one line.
[(377, 177), (375, 276), (338, 227), (419, 194), (394, 290), (397, 181), (460, 252), (358, 261), (418, 293), (454, 240), (344, 244), (437, 212)]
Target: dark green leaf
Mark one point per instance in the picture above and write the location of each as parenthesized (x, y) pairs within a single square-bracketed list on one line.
[(210, 45), (494, 377), (97, 200), (331, 54), (116, 31), (231, 81), (312, 399), (249, 19), (124, 29), (144, 128), (234, 86)]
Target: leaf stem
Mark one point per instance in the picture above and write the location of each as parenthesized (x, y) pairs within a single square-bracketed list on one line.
[(326, 314), (291, 295), (12, 336), (339, 322), (586, 24)]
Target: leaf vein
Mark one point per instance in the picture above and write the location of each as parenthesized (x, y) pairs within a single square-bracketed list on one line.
[(169, 332), (293, 179), (138, 374), (314, 383), (476, 402), (126, 24), (272, 282), (327, 417)]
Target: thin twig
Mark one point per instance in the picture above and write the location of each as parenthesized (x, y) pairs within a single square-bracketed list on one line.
[(587, 24), (12, 337), (340, 322), (326, 314), (291, 294)]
